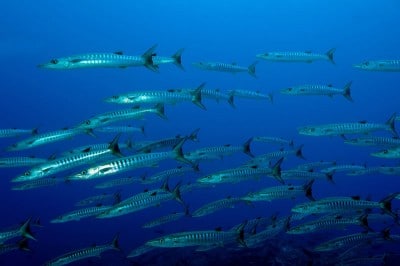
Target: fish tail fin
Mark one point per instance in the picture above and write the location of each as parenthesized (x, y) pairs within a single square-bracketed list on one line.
[(231, 99), (252, 69), (177, 194), (386, 205), (330, 54), (277, 171), (178, 153), (160, 110), (240, 234), (347, 92), (142, 130), (165, 185), (196, 96), (299, 152), (193, 135), (308, 189), (148, 58), (246, 147), (364, 222), (271, 97), (114, 147), (23, 245), (178, 58), (25, 230), (390, 123), (115, 243)]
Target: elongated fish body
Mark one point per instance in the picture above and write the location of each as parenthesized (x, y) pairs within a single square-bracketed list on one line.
[(380, 65), (138, 203), (269, 232), (164, 175), (45, 182), (170, 96), (140, 251), (298, 152), (97, 199), (45, 138), (117, 182), (314, 89), (275, 140), (194, 238), (15, 132), (164, 219), (341, 129), (306, 57), (281, 192), (23, 230), (76, 215), (328, 223), (315, 165), (175, 59), (21, 245), (120, 115), (374, 141), (103, 60), (347, 241), (253, 95), (224, 67), (393, 153), (120, 129), (215, 206), (94, 147), (80, 254), (64, 163), (20, 161), (343, 204), (304, 175), (343, 168), (218, 95)]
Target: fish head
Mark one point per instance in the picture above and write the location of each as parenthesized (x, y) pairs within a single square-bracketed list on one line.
[(308, 130), (213, 178), (365, 65), (59, 63), (29, 175), (387, 153), (86, 174), (121, 99)]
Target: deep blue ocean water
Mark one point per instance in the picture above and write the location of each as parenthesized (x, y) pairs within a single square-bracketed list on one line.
[(33, 32)]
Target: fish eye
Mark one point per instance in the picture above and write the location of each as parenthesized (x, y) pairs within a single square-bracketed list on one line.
[(27, 173), (87, 122), (385, 152), (54, 61), (84, 172)]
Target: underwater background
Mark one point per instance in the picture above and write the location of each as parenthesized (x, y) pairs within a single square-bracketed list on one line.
[(34, 32)]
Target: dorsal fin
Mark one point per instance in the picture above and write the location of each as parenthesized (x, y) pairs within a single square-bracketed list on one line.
[(119, 53), (218, 229), (356, 197), (363, 122)]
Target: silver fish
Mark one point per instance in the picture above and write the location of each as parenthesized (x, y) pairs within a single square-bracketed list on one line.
[(379, 65), (224, 67), (307, 56), (328, 90)]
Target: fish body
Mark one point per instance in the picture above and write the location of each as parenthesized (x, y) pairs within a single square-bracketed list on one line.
[(249, 94), (224, 67), (117, 182), (103, 60), (343, 168), (393, 153), (97, 199), (374, 141), (6, 162), (380, 65), (315, 165), (218, 95), (170, 96), (120, 129), (44, 182), (341, 129), (305, 175), (77, 255), (306, 57), (15, 132), (77, 215), (164, 175), (214, 206), (45, 138), (23, 230), (275, 140), (164, 219), (313, 89)]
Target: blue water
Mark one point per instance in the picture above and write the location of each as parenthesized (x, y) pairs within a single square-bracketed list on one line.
[(33, 32)]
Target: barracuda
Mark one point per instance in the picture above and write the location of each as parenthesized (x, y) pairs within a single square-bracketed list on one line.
[(330, 223), (218, 95), (343, 204), (341, 129), (199, 238), (20, 161), (393, 153), (164, 175), (167, 219), (115, 116), (20, 245), (302, 174), (45, 138), (215, 206), (65, 163), (224, 67), (118, 182), (77, 215), (77, 255), (175, 59), (103, 60), (121, 129), (23, 230), (307, 56), (343, 168), (265, 158), (255, 95), (315, 165), (319, 90), (274, 140), (130, 163), (243, 173), (45, 182), (15, 132), (282, 192), (380, 65), (171, 96), (98, 199)]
